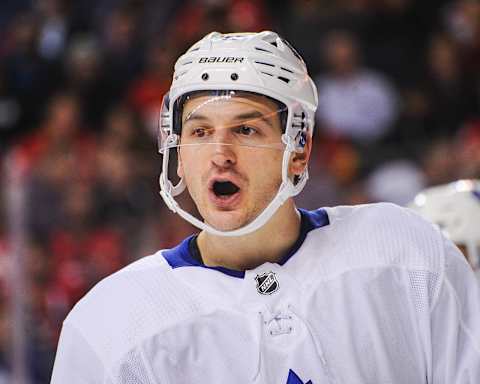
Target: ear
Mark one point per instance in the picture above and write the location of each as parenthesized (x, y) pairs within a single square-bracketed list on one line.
[(299, 160)]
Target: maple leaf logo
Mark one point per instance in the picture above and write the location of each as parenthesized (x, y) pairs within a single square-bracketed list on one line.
[(294, 379)]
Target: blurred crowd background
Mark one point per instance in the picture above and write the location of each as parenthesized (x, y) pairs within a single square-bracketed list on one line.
[(80, 88)]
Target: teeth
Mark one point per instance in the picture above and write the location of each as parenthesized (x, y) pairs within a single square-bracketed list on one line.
[(224, 188)]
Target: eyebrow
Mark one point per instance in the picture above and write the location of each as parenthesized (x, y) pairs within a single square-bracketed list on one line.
[(247, 115), (255, 115)]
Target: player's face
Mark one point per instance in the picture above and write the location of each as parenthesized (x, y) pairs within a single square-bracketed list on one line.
[(233, 169)]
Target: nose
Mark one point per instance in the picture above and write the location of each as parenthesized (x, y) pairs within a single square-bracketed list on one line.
[(223, 155), (223, 150)]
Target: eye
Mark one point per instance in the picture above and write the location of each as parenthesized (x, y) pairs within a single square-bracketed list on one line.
[(199, 132), (246, 130)]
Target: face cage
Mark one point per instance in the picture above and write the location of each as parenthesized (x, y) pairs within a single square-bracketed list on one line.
[(294, 138)]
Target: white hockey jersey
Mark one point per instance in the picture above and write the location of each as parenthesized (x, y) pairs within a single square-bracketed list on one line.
[(370, 294)]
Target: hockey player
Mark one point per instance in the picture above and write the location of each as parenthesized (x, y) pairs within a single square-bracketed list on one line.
[(455, 208), (266, 292)]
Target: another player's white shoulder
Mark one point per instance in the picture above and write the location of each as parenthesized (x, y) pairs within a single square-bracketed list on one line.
[(385, 234)]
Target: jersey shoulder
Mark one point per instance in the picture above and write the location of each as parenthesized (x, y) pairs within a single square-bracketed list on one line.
[(383, 234), (130, 305)]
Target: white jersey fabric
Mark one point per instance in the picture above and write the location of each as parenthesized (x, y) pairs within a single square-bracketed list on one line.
[(368, 294)]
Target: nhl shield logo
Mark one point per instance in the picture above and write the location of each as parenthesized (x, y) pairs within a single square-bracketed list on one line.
[(267, 283)]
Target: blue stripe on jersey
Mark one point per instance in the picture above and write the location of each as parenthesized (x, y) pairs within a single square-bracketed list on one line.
[(180, 255)]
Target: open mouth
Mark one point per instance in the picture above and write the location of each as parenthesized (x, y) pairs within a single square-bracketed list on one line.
[(225, 194), (224, 189)]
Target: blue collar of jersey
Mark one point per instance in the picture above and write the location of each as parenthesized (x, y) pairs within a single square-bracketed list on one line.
[(180, 256)]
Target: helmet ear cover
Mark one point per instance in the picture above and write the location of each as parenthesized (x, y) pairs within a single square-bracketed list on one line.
[(180, 102)]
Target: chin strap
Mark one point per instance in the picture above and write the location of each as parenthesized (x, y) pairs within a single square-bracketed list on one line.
[(286, 190)]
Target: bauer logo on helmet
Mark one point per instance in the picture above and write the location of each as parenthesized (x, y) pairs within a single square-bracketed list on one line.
[(221, 59)]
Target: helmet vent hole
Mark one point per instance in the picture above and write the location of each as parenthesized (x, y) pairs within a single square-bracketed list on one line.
[(205, 76), (284, 79), (266, 73), (263, 63), (262, 49), (234, 76), (286, 69)]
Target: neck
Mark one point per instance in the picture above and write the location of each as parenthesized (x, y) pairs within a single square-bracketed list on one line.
[(267, 244)]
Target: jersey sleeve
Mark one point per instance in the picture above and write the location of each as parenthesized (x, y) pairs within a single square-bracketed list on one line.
[(76, 362), (455, 323)]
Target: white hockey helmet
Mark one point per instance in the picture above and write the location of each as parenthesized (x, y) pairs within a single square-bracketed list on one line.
[(259, 63), (455, 208)]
